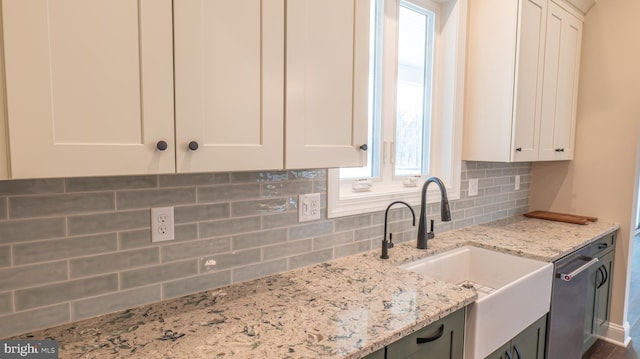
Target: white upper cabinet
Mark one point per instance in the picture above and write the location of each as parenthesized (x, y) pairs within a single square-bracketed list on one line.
[(91, 86), (326, 87), (561, 70), (522, 73), (229, 84), (88, 86)]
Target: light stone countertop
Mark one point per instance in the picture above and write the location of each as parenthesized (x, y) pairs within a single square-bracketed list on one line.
[(345, 308)]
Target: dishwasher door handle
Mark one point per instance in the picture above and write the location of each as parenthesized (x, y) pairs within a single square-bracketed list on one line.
[(568, 276)]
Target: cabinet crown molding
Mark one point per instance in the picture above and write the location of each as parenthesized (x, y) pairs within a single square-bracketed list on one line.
[(582, 5)]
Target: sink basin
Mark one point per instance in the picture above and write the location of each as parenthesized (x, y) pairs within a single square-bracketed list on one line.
[(513, 292)]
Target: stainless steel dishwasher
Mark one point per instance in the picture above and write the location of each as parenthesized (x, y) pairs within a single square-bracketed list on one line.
[(568, 305)]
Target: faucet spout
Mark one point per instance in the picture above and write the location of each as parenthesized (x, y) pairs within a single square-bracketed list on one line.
[(445, 212), (389, 244)]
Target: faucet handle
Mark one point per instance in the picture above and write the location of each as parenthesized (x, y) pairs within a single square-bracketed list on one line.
[(430, 234), (390, 240)]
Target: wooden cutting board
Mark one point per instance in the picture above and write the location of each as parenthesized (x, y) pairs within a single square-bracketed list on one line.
[(561, 217)]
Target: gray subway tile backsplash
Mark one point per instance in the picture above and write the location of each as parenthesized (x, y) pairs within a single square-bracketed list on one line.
[(252, 208), (287, 249), (283, 189), (352, 248), (195, 284), (202, 212), (343, 224), (262, 176), (65, 291), (3, 208), (79, 247), (5, 256), (279, 220), (369, 233), (34, 252), (228, 260), (193, 179), (193, 249), (332, 240), (115, 301), (39, 186), (113, 262), (85, 184), (136, 239), (62, 204), (29, 276), (40, 318), (307, 174), (312, 229), (6, 303), (254, 271), (229, 226), (108, 222), (259, 239), (157, 274), (310, 258), (186, 232), (31, 229), (228, 193), (155, 198)]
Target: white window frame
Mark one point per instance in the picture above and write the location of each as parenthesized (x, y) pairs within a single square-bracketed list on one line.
[(447, 116)]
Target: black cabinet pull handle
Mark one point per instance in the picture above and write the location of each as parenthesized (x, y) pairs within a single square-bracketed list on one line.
[(364, 147), (599, 281), (559, 149), (605, 275), (603, 245), (519, 149), (432, 338), (193, 145), (508, 355), (517, 352), (161, 145)]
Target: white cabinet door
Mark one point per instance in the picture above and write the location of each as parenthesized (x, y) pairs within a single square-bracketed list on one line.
[(529, 72), (229, 78), (490, 75), (561, 71), (326, 85), (89, 86)]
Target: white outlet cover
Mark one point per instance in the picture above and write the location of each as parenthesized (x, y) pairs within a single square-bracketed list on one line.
[(309, 207), (473, 187), (162, 226)]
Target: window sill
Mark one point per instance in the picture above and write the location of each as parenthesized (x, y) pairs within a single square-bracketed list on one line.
[(352, 203)]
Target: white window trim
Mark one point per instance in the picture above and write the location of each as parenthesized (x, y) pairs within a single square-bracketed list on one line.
[(446, 131)]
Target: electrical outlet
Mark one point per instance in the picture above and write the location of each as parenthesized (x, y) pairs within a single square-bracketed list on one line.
[(517, 182), (162, 228), (308, 207), (473, 187)]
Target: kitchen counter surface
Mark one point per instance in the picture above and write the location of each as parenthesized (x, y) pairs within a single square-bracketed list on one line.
[(345, 308)]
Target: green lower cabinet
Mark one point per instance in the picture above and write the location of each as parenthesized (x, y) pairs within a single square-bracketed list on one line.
[(599, 290), (376, 355), (529, 344), (443, 339), (603, 294), (503, 353)]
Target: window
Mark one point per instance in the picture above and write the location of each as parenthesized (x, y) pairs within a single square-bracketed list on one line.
[(416, 75)]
